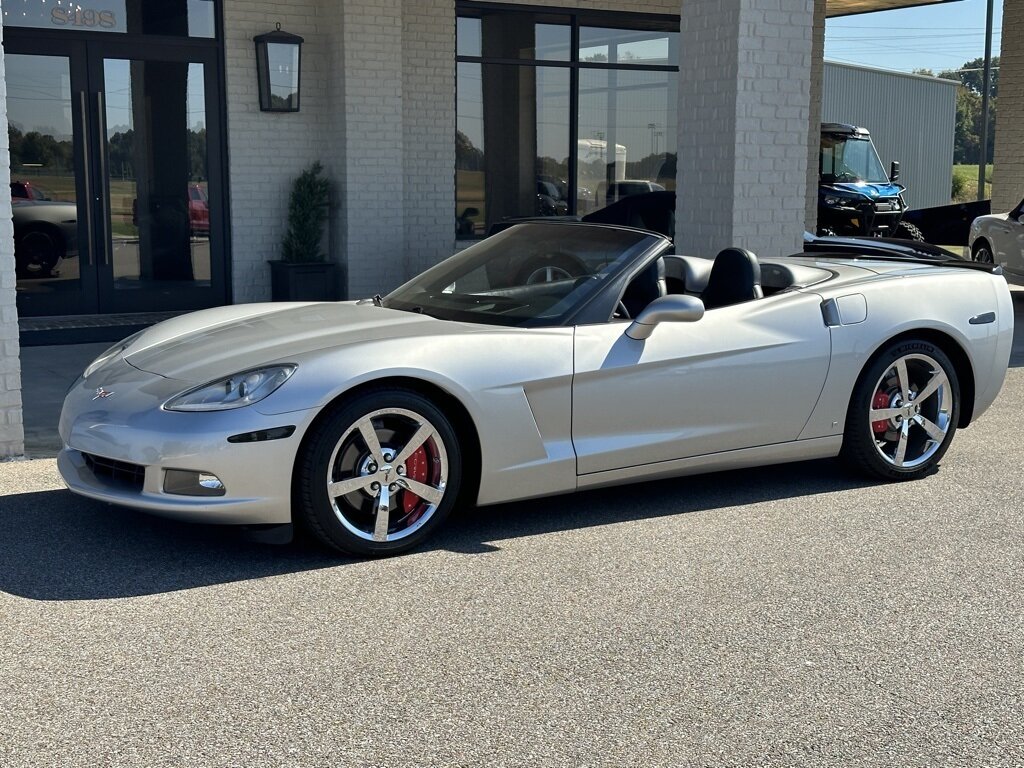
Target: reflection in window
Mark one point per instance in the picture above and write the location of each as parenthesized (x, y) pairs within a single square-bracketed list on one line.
[(530, 175), (467, 34), (470, 173), (40, 133), (159, 216), (519, 149), (628, 46), (634, 112)]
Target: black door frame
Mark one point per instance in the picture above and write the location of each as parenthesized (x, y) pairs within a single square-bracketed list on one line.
[(86, 52)]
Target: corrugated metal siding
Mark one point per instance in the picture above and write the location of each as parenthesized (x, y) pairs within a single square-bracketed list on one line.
[(911, 118)]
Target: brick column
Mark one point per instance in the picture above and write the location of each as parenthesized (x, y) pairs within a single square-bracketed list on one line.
[(814, 123), (1008, 181), (744, 103), (12, 434), (428, 138), (366, 99)]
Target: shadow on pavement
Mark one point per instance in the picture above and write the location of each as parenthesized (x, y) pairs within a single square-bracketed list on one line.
[(472, 529), (56, 546)]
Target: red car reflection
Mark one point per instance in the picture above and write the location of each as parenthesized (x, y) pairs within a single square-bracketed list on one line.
[(198, 210)]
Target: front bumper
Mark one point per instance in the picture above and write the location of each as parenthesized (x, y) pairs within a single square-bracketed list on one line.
[(879, 217), (129, 428)]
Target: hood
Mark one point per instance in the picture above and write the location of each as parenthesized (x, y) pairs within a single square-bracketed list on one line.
[(862, 189), (202, 346)]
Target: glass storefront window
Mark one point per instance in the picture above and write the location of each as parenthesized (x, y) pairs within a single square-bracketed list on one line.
[(43, 190), (634, 112), (605, 45), (497, 34), (178, 18), (470, 170), (519, 78), (530, 175), (467, 34)]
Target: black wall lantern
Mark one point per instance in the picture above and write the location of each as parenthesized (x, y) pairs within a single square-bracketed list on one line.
[(278, 57)]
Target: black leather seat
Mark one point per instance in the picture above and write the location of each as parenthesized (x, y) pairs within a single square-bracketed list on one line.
[(735, 277), (645, 288)]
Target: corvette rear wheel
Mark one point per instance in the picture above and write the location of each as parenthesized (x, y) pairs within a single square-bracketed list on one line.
[(379, 475), (903, 412)]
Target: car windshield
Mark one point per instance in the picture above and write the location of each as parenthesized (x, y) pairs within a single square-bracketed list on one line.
[(850, 159), (529, 275)]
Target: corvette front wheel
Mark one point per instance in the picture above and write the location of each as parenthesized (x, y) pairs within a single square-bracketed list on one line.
[(379, 475), (903, 412)]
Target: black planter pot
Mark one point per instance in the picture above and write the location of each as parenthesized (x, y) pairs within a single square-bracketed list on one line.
[(304, 281)]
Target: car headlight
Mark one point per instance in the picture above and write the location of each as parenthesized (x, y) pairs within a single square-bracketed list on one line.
[(235, 391), (110, 354), (835, 202)]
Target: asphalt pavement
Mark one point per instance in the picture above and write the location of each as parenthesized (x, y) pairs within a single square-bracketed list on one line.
[(785, 616)]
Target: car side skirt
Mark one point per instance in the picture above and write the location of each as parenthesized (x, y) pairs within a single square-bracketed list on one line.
[(781, 453)]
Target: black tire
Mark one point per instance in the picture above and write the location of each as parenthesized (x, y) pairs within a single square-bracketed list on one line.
[(341, 478), (880, 422), (37, 252), (546, 269), (908, 231), (982, 252)]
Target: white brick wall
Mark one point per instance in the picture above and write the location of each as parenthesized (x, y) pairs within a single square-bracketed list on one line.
[(1008, 179), (266, 150), (745, 75), (12, 436)]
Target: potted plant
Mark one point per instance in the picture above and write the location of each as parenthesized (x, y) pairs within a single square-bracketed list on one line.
[(303, 273)]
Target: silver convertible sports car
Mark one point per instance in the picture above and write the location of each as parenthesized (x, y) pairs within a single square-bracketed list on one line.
[(546, 359)]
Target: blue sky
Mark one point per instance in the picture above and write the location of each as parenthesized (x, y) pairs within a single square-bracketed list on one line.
[(935, 37)]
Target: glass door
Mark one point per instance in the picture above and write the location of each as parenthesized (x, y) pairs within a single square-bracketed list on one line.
[(160, 192), (115, 177), (47, 120)]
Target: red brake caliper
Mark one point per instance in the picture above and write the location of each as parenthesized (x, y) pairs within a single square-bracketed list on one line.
[(415, 469), (881, 400)]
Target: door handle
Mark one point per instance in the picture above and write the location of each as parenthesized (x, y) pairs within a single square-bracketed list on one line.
[(85, 249), (103, 198)]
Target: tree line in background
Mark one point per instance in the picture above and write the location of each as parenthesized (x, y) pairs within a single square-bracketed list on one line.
[(47, 154), (967, 139)]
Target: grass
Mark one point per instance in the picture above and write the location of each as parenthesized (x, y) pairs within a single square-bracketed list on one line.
[(965, 183)]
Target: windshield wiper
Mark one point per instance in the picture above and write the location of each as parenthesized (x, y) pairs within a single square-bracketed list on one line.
[(378, 300)]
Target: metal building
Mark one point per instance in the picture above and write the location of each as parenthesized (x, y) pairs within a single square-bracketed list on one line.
[(912, 119)]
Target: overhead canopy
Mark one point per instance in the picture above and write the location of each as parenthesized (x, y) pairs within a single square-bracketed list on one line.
[(849, 7)]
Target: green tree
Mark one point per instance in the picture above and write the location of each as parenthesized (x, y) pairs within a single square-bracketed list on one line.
[(467, 156), (972, 75), (967, 139)]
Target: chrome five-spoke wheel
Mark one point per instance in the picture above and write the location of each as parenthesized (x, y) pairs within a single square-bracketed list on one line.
[(380, 473), (910, 411), (903, 412)]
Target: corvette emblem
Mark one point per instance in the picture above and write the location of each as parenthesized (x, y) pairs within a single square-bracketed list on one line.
[(101, 393)]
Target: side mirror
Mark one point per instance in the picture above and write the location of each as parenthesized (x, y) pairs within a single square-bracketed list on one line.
[(894, 171), (667, 309)]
